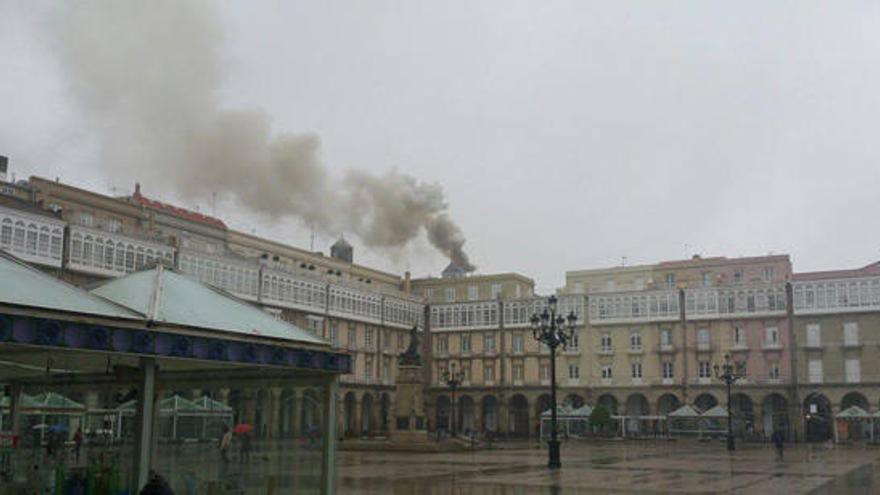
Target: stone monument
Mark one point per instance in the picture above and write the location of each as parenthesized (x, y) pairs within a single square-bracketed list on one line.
[(409, 411)]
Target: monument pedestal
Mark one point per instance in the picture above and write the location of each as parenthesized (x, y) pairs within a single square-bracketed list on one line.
[(410, 423)]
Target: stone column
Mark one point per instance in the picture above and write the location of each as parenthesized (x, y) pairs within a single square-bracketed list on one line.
[(248, 406), (298, 405), (274, 412), (357, 414)]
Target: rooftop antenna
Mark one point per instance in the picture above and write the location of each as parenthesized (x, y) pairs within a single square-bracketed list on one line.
[(312, 237), (623, 260)]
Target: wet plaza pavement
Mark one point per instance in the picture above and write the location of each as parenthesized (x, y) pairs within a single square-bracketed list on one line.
[(615, 467)]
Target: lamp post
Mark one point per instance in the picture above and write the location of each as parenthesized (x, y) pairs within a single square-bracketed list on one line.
[(729, 373), (453, 379), (553, 330)]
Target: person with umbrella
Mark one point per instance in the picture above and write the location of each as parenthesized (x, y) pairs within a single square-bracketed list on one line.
[(225, 443), (244, 430)]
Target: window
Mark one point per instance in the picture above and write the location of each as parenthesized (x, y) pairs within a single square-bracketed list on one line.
[(473, 293), (572, 344), (640, 283), (86, 219), (573, 372), (738, 276), (518, 291), (851, 333), (606, 372), (450, 294), (352, 338), (703, 338), (316, 325), (114, 225), (489, 342), (6, 233), (815, 371), (772, 337), (609, 285), (368, 366), (368, 338), (400, 340), (635, 342), (429, 293), (814, 335), (768, 274), (489, 372), (578, 287), (705, 370), (707, 279), (606, 342), (518, 372), (636, 370), (443, 344), (517, 342), (667, 370), (334, 330), (465, 343), (496, 291), (738, 337), (774, 371), (466, 371), (670, 280), (544, 372), (665, 337), (853, 371)]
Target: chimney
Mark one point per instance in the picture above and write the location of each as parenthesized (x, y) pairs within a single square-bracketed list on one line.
[(4, 164), (407, 283), (137, 189)]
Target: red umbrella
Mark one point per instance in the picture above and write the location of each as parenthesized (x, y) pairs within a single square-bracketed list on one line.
[(242, 428)]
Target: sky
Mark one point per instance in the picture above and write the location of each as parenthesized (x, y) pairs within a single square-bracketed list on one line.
[(565, 134)]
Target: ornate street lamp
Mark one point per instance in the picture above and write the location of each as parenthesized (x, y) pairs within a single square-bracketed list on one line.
[(453, 379), (729, 373), (553, 330)]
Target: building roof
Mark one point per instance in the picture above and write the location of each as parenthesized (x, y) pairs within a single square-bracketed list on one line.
[(865, 271), (176, 211), (21, 285), (163, 296)]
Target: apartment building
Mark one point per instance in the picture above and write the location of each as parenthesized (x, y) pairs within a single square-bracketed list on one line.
[(648, 337), (88, 237)]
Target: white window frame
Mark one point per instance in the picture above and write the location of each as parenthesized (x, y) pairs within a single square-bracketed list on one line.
[(668, 369), (771, 337), (853, 369), (636, 369), (450, 294), (815, 373), (496, 291), (814, 335), (607, 374), (705, 369), (473, 293), (635, 341), (850, 333), (465, 343), (606, 344)]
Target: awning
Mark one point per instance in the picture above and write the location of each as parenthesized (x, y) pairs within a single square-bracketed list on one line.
[(685, 411), (854, 412), (719, 412)]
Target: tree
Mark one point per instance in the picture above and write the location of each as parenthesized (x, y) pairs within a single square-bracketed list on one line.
[(600, 417)]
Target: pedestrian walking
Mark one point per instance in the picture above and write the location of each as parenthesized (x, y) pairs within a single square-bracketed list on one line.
[(778, 439), (245, 452), (225, 443), (77, 442)]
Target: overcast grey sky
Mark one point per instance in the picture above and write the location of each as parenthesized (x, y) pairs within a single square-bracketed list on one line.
[(565, 134)]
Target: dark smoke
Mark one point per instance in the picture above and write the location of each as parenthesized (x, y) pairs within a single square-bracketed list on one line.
[(147, 75)]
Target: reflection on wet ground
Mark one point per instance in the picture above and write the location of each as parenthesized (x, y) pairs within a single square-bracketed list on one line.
[(614, 467)]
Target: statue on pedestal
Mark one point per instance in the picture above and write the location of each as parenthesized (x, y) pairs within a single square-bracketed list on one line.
[(411, 357)]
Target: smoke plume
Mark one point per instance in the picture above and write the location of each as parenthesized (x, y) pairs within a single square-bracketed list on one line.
[(147, 77)]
